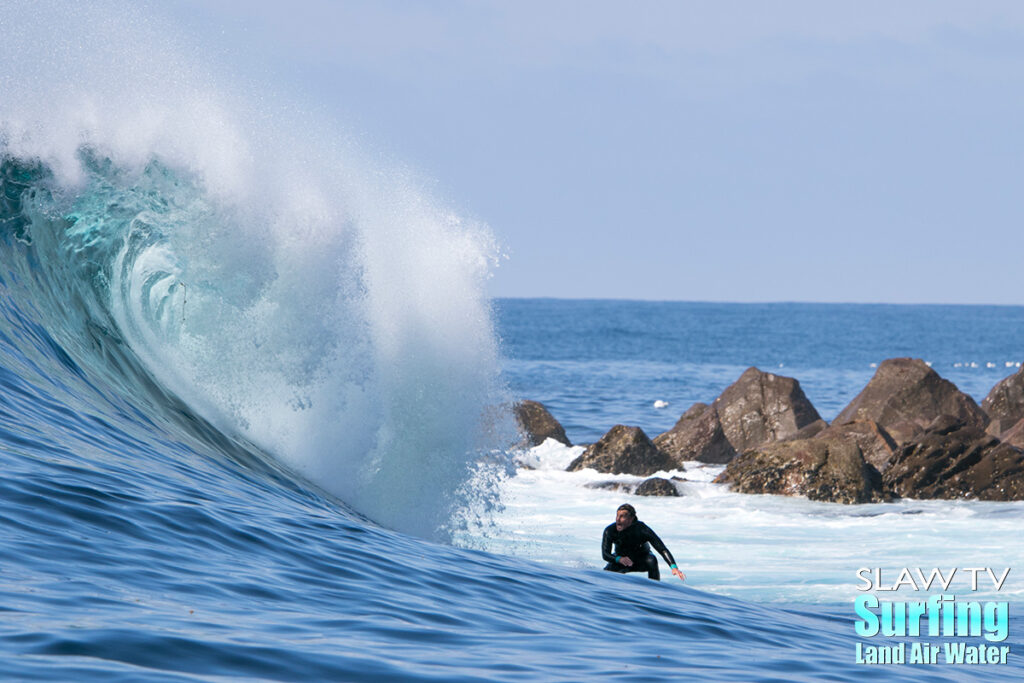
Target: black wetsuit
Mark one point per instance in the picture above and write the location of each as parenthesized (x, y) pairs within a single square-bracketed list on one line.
[(634, 542)]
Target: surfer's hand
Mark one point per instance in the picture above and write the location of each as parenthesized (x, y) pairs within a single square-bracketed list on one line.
[(625, 562), (681, 575)]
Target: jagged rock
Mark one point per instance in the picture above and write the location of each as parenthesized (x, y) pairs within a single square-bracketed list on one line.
[(1005, 403), (761, 407), (624, 450), (656, 486), (820, 469), (905, 395), (756, 409), (876, 445), (697, 435), (537, 424), (954, 459)]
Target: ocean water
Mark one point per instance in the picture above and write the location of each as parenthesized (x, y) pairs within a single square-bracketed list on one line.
[(599, 363), (254, 424)]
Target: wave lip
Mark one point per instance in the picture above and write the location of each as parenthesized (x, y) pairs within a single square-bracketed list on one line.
[(347, 334)]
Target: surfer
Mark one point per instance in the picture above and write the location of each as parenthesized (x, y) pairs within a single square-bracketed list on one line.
[(633, 540)]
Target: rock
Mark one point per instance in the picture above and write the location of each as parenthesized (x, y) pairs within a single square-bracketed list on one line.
[(904, 431), (1014, 435), (609, 486), (955, 459), (905, 395), (698, 435), (537, 424), (656, 486), (820, 469), (760, 407), (624, 450), (1005, 403), (809, 431), (876, 445), (756, 409)]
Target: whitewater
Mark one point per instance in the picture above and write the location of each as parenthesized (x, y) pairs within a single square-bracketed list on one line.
[(254, 414)]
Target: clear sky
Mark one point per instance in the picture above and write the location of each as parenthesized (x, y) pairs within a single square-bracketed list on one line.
[(723, 151)]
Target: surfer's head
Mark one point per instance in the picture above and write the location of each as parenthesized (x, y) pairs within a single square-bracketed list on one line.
[(624, 516)]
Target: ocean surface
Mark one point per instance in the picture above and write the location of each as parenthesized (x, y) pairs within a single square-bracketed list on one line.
[(254, 417), (140, 542)]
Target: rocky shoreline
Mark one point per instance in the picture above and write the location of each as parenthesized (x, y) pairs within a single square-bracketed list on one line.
[(908, 434)]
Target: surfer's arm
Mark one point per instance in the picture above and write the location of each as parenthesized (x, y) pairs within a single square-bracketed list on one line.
[(606, 547), (663, 550), (657, 544)]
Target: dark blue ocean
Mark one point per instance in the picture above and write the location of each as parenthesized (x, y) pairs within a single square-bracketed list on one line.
[(140, 542)]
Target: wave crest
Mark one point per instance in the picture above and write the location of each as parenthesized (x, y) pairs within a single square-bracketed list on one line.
[(346, 333)]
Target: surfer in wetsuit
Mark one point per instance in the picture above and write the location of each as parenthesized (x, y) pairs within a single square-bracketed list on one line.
[(632, 540)]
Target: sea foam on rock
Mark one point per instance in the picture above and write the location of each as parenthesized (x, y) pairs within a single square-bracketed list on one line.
[(756, 409), (624, 450)]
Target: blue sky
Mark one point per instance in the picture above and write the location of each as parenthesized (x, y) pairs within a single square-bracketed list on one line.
[(722, 151)]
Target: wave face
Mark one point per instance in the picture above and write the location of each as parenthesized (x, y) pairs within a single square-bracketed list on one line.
[(292, 294)]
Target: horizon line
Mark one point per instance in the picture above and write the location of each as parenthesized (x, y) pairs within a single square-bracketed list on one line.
[(752, 302)]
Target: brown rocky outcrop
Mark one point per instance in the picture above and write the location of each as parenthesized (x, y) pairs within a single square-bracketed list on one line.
[(656, 486), (758, 408), (698, 435), (876, 445), (832, 470), (1005, 403), (624, 450), (955, 459), (905, 396), (761, 407), (537, 424)]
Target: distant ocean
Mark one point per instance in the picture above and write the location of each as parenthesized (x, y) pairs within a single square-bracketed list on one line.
[(596, 363)]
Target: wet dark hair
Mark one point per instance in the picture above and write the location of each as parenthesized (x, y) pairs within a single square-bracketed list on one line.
[(628, 508)]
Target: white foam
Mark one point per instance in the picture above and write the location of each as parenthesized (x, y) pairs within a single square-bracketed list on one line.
[(336, 312), (761, 547), (550, 455)]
